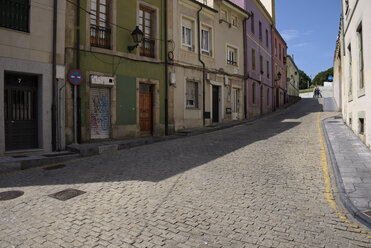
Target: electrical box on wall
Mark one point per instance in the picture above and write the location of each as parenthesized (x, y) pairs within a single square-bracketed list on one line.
[(102, 80), (172, 78)]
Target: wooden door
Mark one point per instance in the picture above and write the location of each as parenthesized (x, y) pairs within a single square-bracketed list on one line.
[(145, 109), (20, 106)]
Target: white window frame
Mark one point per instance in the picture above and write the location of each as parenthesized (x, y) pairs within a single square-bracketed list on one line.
[(234, 21), (189, 43), (225, 18), (234, 58), (195, 105), (207, 51)]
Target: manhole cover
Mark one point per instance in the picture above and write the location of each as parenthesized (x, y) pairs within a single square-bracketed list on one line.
[(368, 213), (67, 194), (59, 166), (9, 195)]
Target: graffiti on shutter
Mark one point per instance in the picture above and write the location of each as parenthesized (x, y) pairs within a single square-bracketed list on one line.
[(100, 116)]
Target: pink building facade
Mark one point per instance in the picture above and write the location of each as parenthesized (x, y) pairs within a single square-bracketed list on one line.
[(258, 58)]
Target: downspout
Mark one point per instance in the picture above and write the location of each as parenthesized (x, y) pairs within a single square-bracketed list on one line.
[(273, 72), (166, 75), (203, 64), (246, 76), (54, 78), (78, 67)]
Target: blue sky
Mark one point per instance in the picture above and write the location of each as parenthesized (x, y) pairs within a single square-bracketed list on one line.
[(310, 29)]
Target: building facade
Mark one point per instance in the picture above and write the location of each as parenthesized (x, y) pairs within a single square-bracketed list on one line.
[(292, 78), (279, 69), (122, 93), (338, 70), (356, 67), (207, 64), (31, 76), (258, 58)]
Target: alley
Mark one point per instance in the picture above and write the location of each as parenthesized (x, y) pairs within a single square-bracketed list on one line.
[(255, 185)]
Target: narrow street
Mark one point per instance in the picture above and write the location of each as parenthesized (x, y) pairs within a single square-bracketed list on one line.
[(254, 185)]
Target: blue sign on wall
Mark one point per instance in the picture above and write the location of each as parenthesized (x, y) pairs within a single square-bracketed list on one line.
[(330, 78)]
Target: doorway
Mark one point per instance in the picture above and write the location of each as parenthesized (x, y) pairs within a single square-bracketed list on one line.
[(146, 109), (215, 103), (20, 112)]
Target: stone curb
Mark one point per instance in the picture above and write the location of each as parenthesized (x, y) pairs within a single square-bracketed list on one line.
[(361, 217)]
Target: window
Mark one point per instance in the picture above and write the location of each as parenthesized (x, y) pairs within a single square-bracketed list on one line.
[(268, 69), (346, 6), (253, 93), (231, 56), (146, 22), (260, 32), (350, 68), (253, 59), (360, 57), (266, 38), (267, 96), (15, 14), (223, 15), (252, 23), (234, 21), (261, 64), (280, 53), (191, 94), (100, 30), (187, 34), (275, 47), (205, 41), (361, 126)]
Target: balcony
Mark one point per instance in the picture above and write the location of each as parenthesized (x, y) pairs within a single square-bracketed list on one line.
[(147, 47), (100, 37)]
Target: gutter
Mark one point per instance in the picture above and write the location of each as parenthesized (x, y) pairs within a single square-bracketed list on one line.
[(166, 75), (54, 78), (203, 63)]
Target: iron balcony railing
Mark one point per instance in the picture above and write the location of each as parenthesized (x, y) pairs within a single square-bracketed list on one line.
[(100, 37), (15, 14), (147, 47), (231, 62)]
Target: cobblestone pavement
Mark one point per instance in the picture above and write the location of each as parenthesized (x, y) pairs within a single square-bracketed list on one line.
[(255, 185)]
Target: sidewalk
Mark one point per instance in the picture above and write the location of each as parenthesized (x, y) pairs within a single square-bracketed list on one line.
[(351, 161)]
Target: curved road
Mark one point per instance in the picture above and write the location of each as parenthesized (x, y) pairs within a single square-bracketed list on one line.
[(255, 185)]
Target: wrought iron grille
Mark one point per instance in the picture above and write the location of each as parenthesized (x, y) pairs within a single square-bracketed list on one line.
[(147, 48), (100, 36), (15, 14)]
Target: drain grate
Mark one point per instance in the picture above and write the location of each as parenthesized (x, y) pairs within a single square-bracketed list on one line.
[(338, 117), (67, 194), (55, 167), (58, 154), (19, 156), (9, 195), (368, 213), (334, 122)]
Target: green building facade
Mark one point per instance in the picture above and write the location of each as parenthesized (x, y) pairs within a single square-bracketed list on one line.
[(123, 88)]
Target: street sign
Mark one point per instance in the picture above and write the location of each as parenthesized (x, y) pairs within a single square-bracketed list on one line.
[(75, 77), (330, 78)]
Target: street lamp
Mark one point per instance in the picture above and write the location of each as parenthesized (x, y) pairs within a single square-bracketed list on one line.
[(137, 36), (278, 76)]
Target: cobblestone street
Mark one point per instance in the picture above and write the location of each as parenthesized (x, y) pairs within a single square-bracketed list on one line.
[(255, 185)]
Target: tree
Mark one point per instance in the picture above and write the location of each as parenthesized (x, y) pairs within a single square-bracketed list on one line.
[(304, 79), (323, 76)]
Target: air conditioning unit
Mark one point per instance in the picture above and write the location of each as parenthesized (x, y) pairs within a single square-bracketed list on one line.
[(102, 80)]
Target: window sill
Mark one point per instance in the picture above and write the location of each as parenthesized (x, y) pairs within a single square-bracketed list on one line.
[(191, 108)]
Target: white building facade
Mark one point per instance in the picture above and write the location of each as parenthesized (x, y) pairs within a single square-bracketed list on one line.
[(356, 67)]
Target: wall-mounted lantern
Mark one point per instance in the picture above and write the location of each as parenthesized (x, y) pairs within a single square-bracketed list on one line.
[(137, 36), (278, 77)]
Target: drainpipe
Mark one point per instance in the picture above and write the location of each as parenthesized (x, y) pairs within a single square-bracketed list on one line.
[(166, 75), (78, 67), (246, 76), (54, 78), (203, 64)]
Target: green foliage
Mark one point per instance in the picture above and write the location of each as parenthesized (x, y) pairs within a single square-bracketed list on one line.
[(304, 79), (323, 76)]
